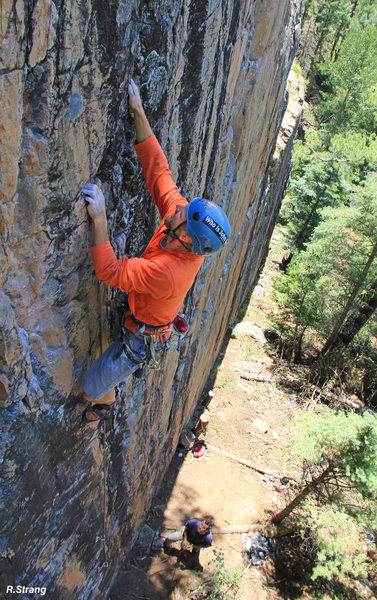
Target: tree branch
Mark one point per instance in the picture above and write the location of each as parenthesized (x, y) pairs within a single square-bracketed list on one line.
[(334, 158)]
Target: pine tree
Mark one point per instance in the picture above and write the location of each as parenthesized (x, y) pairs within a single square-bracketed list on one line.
[(328, 291), (313, 186), (336, 334), (356, 320), (360, 227), (331, 279), (339, 463), (349, 81)]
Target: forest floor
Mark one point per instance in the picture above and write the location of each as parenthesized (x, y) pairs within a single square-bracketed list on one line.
[(251, 420)]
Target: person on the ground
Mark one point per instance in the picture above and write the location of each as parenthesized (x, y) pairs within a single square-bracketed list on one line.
[(157, 282), (195, 535)]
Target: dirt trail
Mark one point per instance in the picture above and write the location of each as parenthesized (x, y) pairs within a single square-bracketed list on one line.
[(240, 413)]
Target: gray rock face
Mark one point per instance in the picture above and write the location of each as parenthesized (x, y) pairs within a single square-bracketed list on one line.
[(213, 78)]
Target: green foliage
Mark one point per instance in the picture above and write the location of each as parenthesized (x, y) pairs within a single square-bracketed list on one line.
[(330, 215), (242, 311), (300, 303), (222, 384), (360, 151), (296, 68), (347, 440), (313, 186), (214, 371), (332, 20), (345, 501), (224, 581), (343, 242), (350, 81), (320, 279), (340, 552)]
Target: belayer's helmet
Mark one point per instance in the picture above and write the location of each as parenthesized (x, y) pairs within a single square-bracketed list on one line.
[(207, 225)]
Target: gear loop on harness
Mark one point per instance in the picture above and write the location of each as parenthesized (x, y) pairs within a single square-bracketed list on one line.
[(155, 336), (151, 343), (152, 340)]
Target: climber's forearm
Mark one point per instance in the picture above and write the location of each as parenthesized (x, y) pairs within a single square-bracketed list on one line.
[(100, 233), (143, 129)]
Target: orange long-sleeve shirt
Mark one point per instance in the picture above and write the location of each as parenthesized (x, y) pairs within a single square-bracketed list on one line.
[(158, 281)]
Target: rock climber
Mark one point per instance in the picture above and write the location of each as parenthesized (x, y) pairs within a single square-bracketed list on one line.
[(195, 535), (157, 282)]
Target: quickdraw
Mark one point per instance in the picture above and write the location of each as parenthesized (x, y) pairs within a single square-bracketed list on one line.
[(151, 341)]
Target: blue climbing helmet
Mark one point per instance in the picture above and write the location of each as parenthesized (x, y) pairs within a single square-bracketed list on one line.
[(207, 225)]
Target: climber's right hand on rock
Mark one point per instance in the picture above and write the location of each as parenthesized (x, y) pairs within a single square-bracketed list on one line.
[(96, 201), (134, 96)]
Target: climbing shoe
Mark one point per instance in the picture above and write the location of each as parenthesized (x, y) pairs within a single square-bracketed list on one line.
[(101, 410)]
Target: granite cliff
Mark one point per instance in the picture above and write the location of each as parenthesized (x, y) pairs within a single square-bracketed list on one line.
[(213, 77)]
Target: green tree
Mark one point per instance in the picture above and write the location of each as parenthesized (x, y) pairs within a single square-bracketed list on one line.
[(331, 21), (340, 331), (359, 227), (359, 148), (358, 318), (338, 453), (300, 303), (351, 79), (330, 269), (334, 277), (314, 184)]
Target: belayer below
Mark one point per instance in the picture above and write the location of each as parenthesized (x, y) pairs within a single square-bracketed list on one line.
[(157, 282)]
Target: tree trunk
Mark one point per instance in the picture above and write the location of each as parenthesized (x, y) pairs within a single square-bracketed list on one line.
[(285, 261), (356, 321), (266, 529), (315, 53), (297, 345), (343, 316), (325, 27), (341, 34), (345, 99), (298, 241), (333, 53), (242, 461), (276, 519), (298, 349), (354, 9), (305, 11)]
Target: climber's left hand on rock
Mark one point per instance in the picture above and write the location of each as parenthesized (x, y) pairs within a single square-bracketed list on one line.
[(134, 96), (96, 201)]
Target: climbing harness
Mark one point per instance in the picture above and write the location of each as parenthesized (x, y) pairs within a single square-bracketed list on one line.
[(156, 337), (155, 341)]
